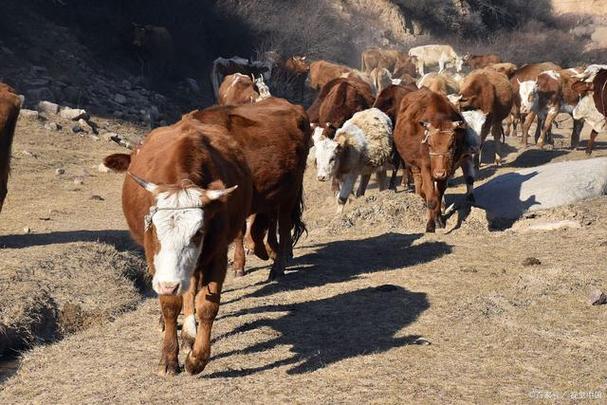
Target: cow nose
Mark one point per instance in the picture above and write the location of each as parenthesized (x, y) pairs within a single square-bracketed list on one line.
[(440, 175), (168, 288), (322, 178)]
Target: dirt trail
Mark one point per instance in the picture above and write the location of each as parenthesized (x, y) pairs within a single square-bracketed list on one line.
[(371, 310)]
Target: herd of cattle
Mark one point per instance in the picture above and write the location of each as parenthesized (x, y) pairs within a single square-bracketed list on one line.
[(234, 172)]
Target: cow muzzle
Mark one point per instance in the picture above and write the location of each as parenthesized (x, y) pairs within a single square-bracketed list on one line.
[(321, 178), (167, 288)]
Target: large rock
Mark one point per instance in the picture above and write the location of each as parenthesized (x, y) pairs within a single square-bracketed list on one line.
[(47, 107), (73, 114), (510, 195)]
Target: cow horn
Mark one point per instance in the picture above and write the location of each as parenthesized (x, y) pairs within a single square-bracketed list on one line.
[(151, 187), (214, 195)]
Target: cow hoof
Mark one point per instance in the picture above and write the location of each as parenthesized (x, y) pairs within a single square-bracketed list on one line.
[(588, 152), (239, 273), (276, 272), (431, 228), (195, 364), (168, 368)]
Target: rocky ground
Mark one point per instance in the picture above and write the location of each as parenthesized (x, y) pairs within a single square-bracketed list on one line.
[(371, 309)]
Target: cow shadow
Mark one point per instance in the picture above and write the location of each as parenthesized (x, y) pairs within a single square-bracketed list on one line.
[(121, 240), (344, 260), (322, 332), (536, 157)]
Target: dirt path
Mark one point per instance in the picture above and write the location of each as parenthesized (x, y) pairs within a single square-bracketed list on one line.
[(372, 310)]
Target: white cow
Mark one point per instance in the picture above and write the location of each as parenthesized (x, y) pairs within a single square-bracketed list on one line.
[(431, 55), (363, 145)]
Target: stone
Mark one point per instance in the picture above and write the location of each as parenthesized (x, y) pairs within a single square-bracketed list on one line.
[(59, 171), (103, 168), (73, 114), (96, 197), (47, 107), (29, 114), (78, 180), (531, 261), (27, 230), (597, 297), (511, 195), (85, 126), (26, 152), (77, 129), (119, 98), (52, 126)]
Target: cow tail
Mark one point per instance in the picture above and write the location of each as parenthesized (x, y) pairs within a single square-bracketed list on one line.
[(299, 227)]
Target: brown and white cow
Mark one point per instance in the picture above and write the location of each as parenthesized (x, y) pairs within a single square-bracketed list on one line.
[(553, 94), (10, 105), (322, 72), (191, 186), (522, 82), (481, 61), (430, 136), (240, 89), (490, 92), (337, 102), (223, 67)]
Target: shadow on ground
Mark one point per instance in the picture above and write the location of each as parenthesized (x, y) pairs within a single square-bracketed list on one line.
[(340, 261), (319, 333), (121, 240), (536, 157)]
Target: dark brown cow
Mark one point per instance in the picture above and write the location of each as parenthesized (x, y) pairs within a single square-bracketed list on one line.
[(481, 61), (322, 72), (191, 187), (237, 89), (490, 92), (524, 74), (274, 136), (10, 105), (389, 101), (554, 94), (289, 78), (430, 137), (338, 101)]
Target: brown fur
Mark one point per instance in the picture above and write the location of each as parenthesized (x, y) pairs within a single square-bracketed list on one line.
[(338, 101), (322, 72), (440, 83), (405, 66), (427, 106), (506, 68), (9, 112), (491, 92), (237, 89), (481, 61)]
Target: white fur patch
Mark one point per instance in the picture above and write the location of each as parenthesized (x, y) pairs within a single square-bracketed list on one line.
[(189, 326), (176, 223), (326, 157), (527, 91), (475, 120), (586, 110), (552, 73)]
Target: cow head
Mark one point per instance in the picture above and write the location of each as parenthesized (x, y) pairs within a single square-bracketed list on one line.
[(327, 153), (582, 88), (175, 228), (298, 65), (262, 88), (528, 93), (441, 142)]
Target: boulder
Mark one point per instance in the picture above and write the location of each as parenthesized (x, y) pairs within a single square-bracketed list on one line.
[(29, 114), (120, 99), (47, 107), (510, 195)]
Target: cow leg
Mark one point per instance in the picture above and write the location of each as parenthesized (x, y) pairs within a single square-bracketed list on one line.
[(509, 121), (441, 186), (170, 307), (469, 176), (272, 242), (575, 134), (590, 145), (380, 175), (496, 132), (432, 202), (3, 192), (407, 178), (258, 233), (239, 252), (248, 240), (396, 164), (346, 188), (417, 179), (362, 185), (552, 113), (207, 306), (188, 330), (285, 243), (526, 125), (335, 185)]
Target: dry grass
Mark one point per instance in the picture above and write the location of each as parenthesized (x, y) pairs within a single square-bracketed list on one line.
[(348, 321)]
